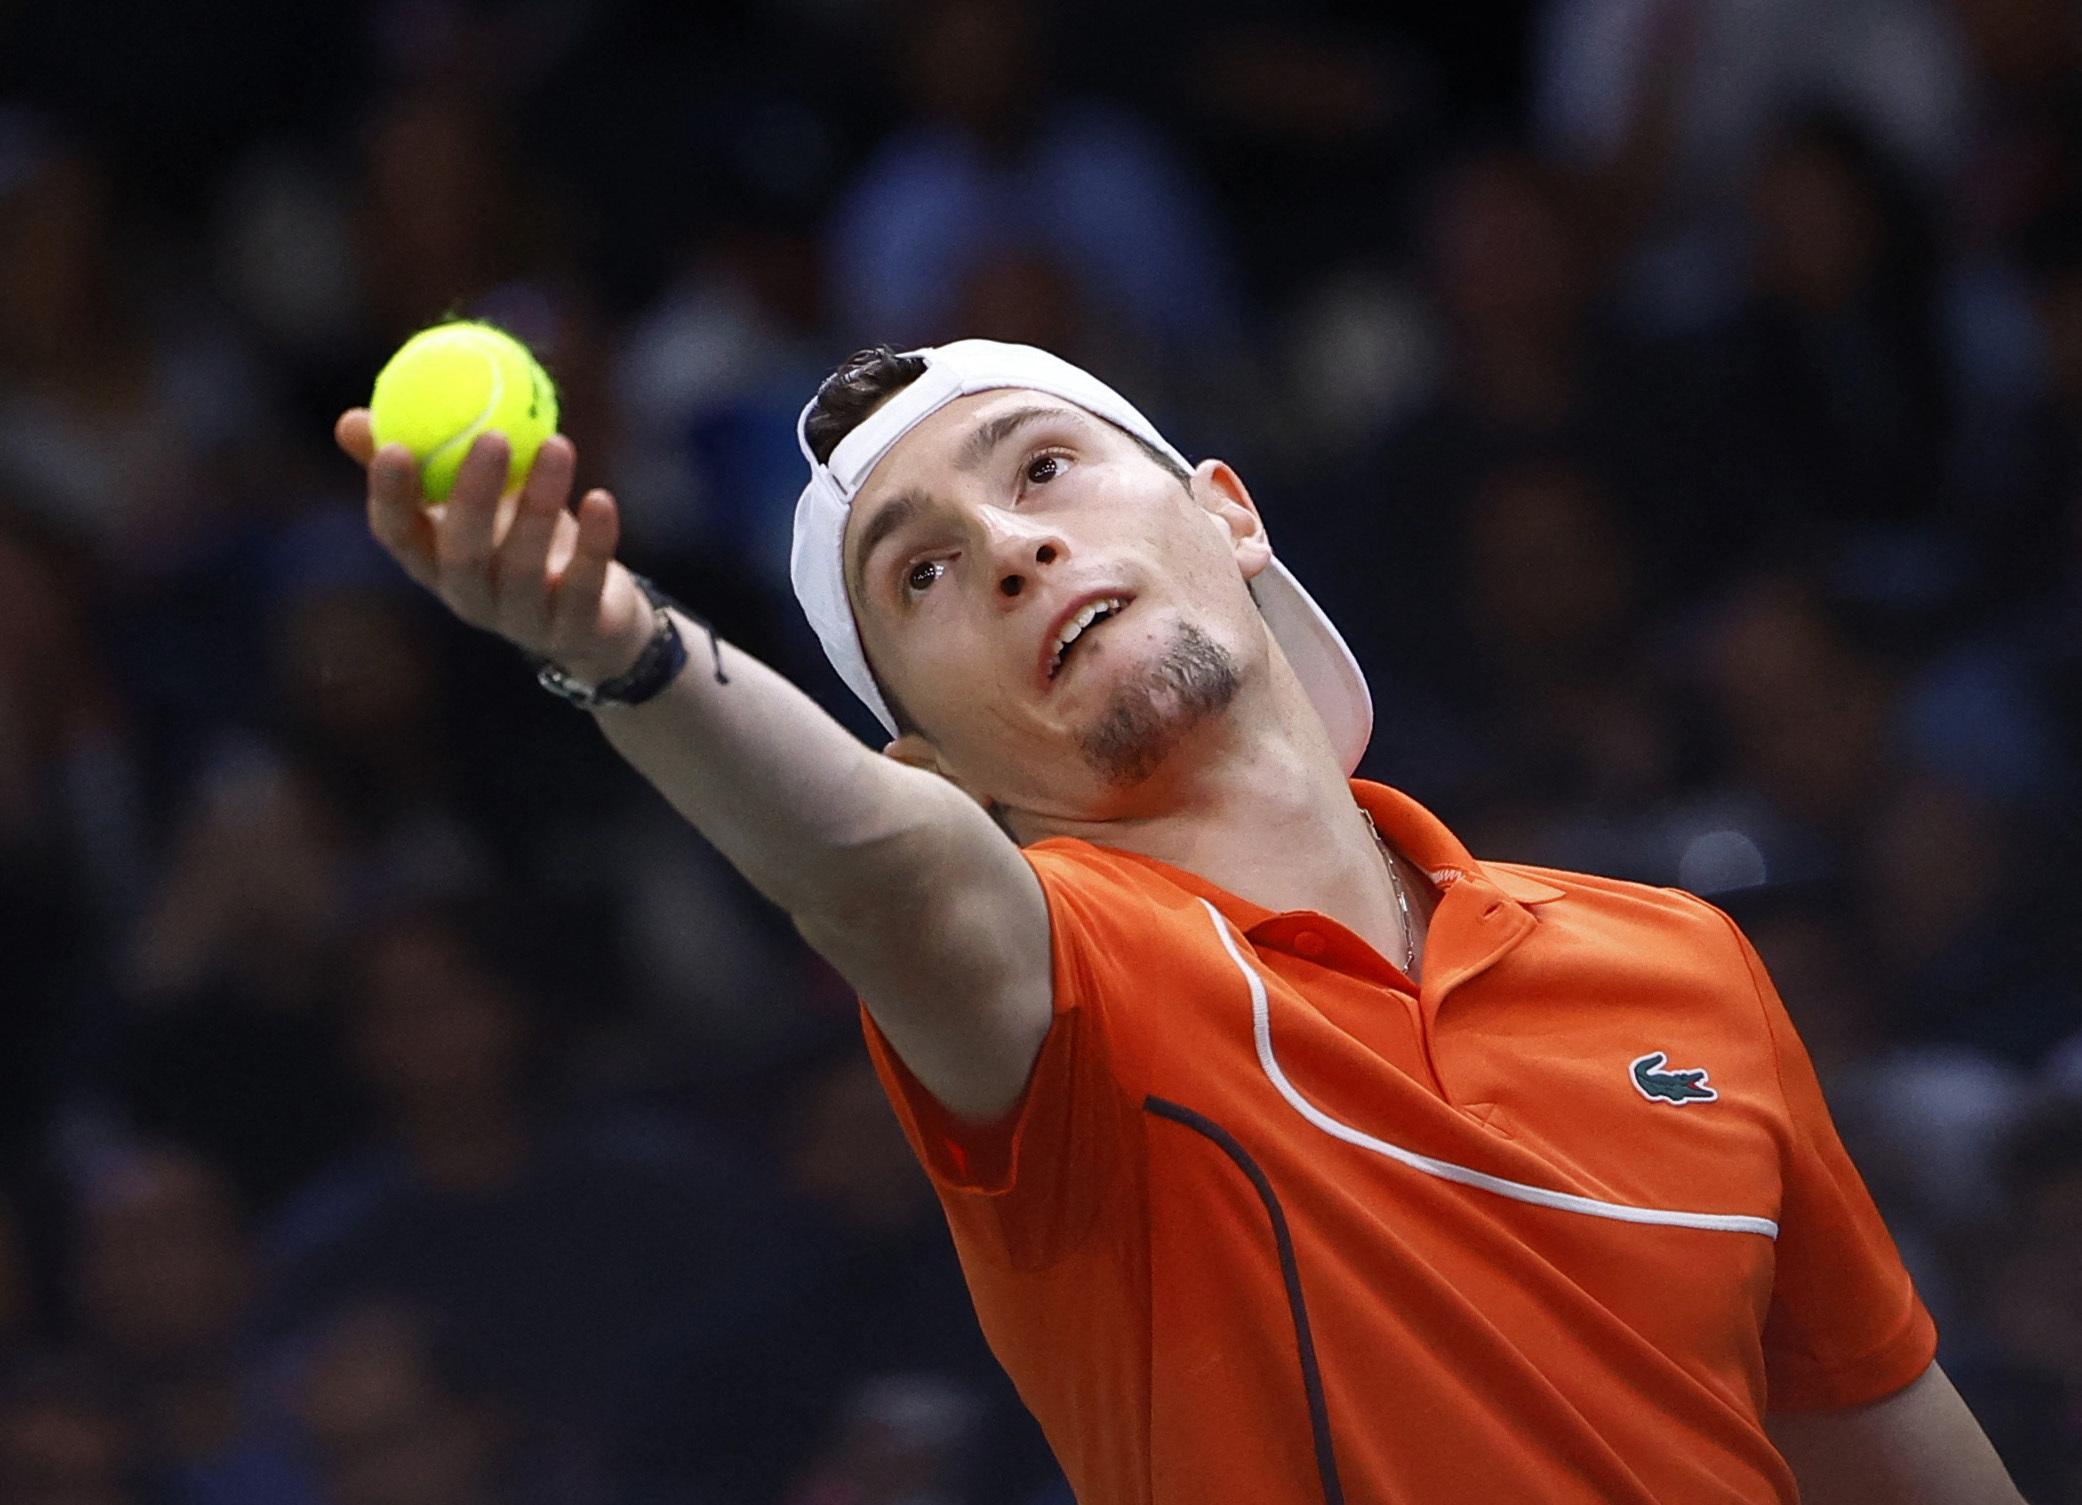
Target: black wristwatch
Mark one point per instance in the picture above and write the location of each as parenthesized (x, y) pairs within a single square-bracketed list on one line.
[(656, 667)]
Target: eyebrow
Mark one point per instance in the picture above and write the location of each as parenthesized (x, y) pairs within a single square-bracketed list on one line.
[(992, 432)]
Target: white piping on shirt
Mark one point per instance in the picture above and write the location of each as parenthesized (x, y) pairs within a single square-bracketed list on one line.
[(1446, 1170)]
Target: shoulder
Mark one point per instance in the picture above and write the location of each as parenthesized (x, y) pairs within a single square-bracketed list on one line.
[(1683, 917), (1619, 937), (1081, 871), (1115, 918), (1099, 889)]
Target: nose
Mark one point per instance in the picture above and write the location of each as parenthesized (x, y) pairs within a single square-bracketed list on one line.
[(1019, 552)]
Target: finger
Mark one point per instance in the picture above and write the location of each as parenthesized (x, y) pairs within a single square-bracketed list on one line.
[(354, 435), (520, 567), (575, 609), (396, 516), (562, 548), (468, 527), (394, 478)]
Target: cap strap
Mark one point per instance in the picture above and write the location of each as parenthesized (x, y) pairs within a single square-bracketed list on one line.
[(858, 453)]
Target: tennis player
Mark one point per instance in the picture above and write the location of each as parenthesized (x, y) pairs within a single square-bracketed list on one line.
[(1293, 1153)]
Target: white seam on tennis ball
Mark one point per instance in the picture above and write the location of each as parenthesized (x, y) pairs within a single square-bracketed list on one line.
[(470, 429)]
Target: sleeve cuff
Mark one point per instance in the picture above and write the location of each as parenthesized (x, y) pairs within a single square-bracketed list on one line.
[(977, 1159), (1802, 1384)]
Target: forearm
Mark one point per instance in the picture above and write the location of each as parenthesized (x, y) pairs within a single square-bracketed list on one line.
[(898, 878), (841, 838), (814, 819)]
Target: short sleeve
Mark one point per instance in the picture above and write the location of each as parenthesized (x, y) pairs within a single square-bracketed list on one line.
[(1845, 1326), (1031, 1185)]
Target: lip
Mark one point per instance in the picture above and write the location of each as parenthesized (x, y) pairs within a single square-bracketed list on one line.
[(1056, 624)]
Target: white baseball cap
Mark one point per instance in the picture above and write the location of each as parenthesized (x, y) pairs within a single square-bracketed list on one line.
[(1319, 657)]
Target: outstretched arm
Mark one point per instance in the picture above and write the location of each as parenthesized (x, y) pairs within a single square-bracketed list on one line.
[(899, 879), (1919, 1446)]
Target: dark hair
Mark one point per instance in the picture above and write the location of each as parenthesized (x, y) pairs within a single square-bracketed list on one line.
[(865, 377), (851, 392)]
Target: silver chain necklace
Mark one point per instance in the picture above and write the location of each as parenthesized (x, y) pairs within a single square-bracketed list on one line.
[(1402, 900)]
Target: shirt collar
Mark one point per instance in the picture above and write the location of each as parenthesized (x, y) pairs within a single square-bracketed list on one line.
[(1412, 829), (1425, 840)]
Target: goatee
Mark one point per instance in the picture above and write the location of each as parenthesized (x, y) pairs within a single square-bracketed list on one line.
[(1193, 680)]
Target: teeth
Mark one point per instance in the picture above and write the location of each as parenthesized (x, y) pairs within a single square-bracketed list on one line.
[(1077, 624)]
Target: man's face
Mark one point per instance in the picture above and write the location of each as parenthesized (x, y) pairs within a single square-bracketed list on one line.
[(986, 534)]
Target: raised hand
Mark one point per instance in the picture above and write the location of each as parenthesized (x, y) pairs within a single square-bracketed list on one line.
[(523, 566)]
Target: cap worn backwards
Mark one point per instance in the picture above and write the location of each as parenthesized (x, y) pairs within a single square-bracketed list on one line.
[(1325, 666)]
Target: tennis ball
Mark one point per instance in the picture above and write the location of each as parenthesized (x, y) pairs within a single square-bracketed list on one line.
[(448, 384)]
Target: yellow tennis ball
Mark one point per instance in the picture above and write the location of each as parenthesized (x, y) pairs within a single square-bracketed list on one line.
[(447, 385)]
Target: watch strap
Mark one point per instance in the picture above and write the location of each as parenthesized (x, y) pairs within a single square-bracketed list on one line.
[(656, 667)]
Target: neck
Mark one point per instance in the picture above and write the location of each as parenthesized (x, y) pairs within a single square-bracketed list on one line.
[(1266, 813)]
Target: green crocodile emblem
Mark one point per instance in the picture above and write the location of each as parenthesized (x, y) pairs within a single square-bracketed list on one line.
[(1658, 1085)]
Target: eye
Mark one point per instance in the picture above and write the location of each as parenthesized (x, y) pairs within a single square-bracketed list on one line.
[(1044, 468), (921, 575)]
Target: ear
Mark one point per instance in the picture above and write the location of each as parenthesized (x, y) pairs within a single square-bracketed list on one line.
[(913, 751), (1222, 492)]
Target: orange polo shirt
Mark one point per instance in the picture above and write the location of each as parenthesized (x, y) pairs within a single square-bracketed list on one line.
[(1272, 1225)]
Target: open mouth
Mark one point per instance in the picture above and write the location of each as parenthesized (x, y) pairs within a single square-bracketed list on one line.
[(1078, 624)]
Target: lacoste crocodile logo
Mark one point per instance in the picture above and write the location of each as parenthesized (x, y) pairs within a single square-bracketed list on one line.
[(1660, 1086)]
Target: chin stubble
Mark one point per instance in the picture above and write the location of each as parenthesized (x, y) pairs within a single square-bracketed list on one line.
[(1193, 680)]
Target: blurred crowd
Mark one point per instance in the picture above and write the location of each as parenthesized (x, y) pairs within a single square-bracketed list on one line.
[(1678, 403)]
